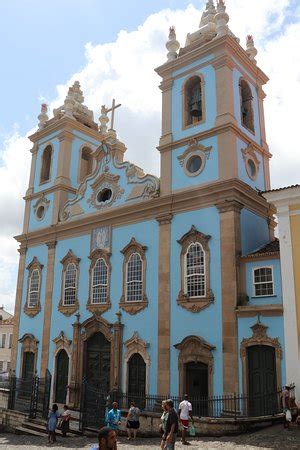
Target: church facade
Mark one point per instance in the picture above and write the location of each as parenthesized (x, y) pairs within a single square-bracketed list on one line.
[(156, 285)]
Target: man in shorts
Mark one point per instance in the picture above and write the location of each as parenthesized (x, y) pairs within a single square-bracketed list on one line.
[(185, 414)]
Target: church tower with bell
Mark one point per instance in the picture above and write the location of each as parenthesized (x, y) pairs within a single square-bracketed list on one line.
[(155, 286)]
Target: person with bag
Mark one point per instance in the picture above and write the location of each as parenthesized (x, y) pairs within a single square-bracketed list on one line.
[(133, 420), (185, 414), (113, 419), (64, 425), (163, 423), (285, 398)]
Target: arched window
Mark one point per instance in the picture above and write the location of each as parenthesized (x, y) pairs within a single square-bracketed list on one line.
[(246, 105), (70, 284), (34, 289), (46, 164), (195, 292), (193, 101), (99, 282), (69, 302), (195, 285), (134, 276), (86, 163), (33, 306)]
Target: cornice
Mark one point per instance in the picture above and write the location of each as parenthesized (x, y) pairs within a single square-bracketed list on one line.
[(226, 44), (254, 310), (68, 125), (56, 187), (260, 256), (204, 196), (213, 132)]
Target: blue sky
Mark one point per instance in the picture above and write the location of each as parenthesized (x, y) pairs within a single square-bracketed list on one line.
[(112, 48)]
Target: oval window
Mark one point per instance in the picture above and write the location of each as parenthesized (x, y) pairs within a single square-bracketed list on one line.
[(40, 212), (251, 168), (194, 164), (104, 195)]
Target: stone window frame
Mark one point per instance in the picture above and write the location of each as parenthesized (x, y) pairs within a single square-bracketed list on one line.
[(94, 257), (263, 282), (194, 304), (32, 311), (195, 349), (41, 202), (250, 155), (242, 81), (61, 343), (133, 307), (29, 344), (136, 345), (69, 258), (194, 149), (183, 101), (82, 148), (41, 180), (259, 337)]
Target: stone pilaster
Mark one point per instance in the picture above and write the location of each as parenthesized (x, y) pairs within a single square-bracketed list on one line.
[(30, 189), (74, 389), (118, 344), (166, 137), (18, 305), (224, 90), (48, 307), (230, 250), (163, 341)]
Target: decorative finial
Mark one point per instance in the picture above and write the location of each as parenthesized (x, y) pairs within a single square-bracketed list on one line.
[(251, 50), (208, 14), (119, 315), (43, 117), (103, 119), (172, 45), (222, 18)]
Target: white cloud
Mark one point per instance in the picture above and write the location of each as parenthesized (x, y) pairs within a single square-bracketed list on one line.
[(124, 69)]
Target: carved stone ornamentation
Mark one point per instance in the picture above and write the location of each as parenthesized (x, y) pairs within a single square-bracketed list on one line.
[(64, 308), (33, 309), (194, 150), (41, 207), (251, 160), (172, 45), (99, 308), (106, 181), (136, 345), (29, 344)]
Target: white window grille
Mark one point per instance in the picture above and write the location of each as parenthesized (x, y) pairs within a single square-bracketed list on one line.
[(263, 281), (195, 271), (99, 282), (134, 278), (70, 284), (34, 289)]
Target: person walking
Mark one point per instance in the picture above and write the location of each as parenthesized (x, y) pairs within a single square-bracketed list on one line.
[(133, 420), (163, 423), (285, 398), (171, 426), (113, 419), (65, 421), (53, 417), (185, 414), (107, 439)]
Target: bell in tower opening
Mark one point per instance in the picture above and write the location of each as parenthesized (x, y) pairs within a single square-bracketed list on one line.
[(193, 101)]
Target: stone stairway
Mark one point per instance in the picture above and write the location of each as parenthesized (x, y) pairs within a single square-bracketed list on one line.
[(37, 427)]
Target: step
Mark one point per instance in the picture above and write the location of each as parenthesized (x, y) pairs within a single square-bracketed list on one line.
[(23, 430), (41, 427)]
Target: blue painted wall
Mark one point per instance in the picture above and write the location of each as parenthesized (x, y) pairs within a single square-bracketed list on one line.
[(273, 299), (254, 231), (210, 172), (208, 322)]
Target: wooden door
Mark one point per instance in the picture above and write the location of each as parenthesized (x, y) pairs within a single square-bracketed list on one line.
[(262, 379), (62, 375), (28, 366), (196, 386), (137, 375), (98, 362)]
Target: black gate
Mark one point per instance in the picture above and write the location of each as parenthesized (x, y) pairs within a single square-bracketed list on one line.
[(93, 407), (31, 396)]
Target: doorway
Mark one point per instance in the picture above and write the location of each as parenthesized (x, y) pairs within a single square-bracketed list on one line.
[(196, 386), (98, 362), (62, 375)]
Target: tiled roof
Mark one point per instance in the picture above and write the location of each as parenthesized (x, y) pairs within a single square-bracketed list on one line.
[(270, 248), (281, 188)]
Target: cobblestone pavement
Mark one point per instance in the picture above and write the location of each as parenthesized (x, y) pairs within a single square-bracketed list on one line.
[(270, 438)]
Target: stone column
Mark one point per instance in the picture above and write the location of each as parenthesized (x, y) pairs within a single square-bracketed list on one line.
[(18, 305), (30, 189), (163, 341), (230, 250), (117, 357), (224, 90), (74, 389), (48, 307), (166, 137)]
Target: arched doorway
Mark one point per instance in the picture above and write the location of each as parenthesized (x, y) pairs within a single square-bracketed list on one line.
[(196, 386), (62, 375), (262, 379), (98, 362), (28, 366), (137, 375)]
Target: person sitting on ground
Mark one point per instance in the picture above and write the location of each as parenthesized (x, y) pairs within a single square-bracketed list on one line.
[(53, 417), (133, 422), (113, 418), (107, 440), (65, 421), (185, 414)]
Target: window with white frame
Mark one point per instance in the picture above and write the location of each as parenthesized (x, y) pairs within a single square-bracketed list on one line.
[(99, 282), (134, 278), (34, 289), (195, 271), (263, 281), (70, 285)]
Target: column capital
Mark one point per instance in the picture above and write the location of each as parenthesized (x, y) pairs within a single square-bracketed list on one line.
[(51, 244), (66, 135), (229, 205), (22, 249), (166, 84), (224, 60), (164, 219)]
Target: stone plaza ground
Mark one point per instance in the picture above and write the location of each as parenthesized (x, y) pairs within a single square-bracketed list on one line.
[(270, 438)]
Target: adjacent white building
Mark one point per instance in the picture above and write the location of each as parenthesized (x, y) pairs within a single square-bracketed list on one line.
[(6, 332)]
